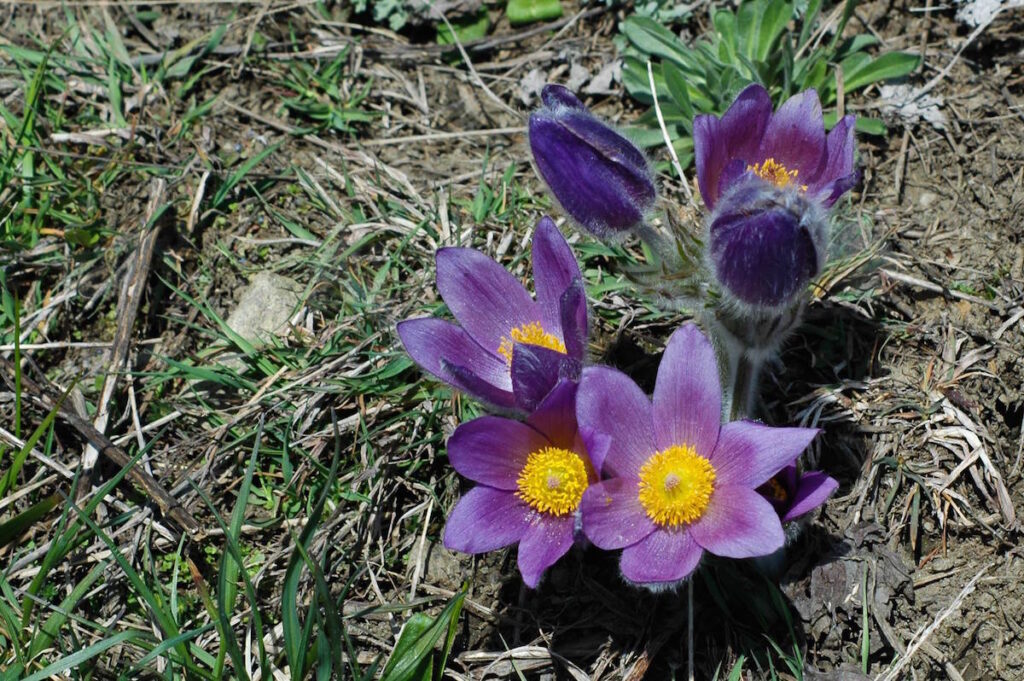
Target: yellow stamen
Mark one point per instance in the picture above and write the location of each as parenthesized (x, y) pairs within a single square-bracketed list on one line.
[(775, 490), (776, 173), (676, 486), (531, 334), (553, 481)]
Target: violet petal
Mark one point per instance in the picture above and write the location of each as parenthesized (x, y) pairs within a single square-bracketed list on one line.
[(486, 519), (610, 402), (736, 137), (493, 450), (446, 351), (547, 539), (795, 137), (596, 445), (738, 523), (573, 314), (663, 556), (555, 416), (749, 453), (536, 370), (612, 514), (487, 301), (554, 270), (688, 393), (812, 491)]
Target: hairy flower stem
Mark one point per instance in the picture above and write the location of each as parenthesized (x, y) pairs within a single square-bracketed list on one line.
[(747, 340)]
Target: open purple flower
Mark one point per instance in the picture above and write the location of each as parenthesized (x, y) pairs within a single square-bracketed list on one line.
[(788, 149), (532, 476), (508, 349), (599, 177), (769, 180), (678, 482), (794, 495)]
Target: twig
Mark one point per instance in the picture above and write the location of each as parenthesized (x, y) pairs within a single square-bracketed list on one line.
[(668, 142), (472, 69), (930, 85), (42, 396), (128, 307), (443, 136), (931, 628)]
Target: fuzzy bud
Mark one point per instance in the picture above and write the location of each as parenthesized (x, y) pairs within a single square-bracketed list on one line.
[(600, 178), (765, 244)]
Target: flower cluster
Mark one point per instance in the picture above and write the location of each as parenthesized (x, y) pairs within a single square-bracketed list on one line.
[(583, 452)]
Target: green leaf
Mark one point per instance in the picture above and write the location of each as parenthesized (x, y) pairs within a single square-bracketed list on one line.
[(526, 11), (655, 40), (16, 526), (890, 65), (470, 29), (773, 22), (411, 658)]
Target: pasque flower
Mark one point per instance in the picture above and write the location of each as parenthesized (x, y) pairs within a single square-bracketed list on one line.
[(508, 349), (531, 478), (678, 483), (794, 495), (769, 180), (599, 177)]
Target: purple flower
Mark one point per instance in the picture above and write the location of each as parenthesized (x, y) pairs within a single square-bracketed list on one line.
[(787, 150), (600, 178), (508, 349), (678, 482), (794, 495), (769, 180), (532, 476)]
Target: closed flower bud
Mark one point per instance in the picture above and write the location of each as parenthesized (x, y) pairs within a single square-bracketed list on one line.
[(600, 178), (765, 245)]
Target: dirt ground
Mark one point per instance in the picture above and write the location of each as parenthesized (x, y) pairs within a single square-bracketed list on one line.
[(912, 362)]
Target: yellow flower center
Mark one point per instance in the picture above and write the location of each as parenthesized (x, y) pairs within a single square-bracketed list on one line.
[(776, 173), (676, 486), (531, 334), (553, 481)]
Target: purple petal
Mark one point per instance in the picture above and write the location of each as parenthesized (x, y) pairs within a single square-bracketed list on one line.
[(554, 270), (486, 519), (610, 402), (493, 450), (762, 257), (555, 416), (812, 491), (738, 523), (486, 299), (612, 514), (663, 556), (749, 453), (596, 445), (598, 176), (536, 370), (446, 351), (737, 137), (795, 136), (573, 314), (840, 147), (831, 192), (547, 539), (688, 394), (558, 96)]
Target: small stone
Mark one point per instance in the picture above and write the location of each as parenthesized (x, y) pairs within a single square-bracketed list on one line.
[(265, 307)]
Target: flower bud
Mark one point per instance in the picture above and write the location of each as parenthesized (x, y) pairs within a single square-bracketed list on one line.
[(600, 178), (765, 244)]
